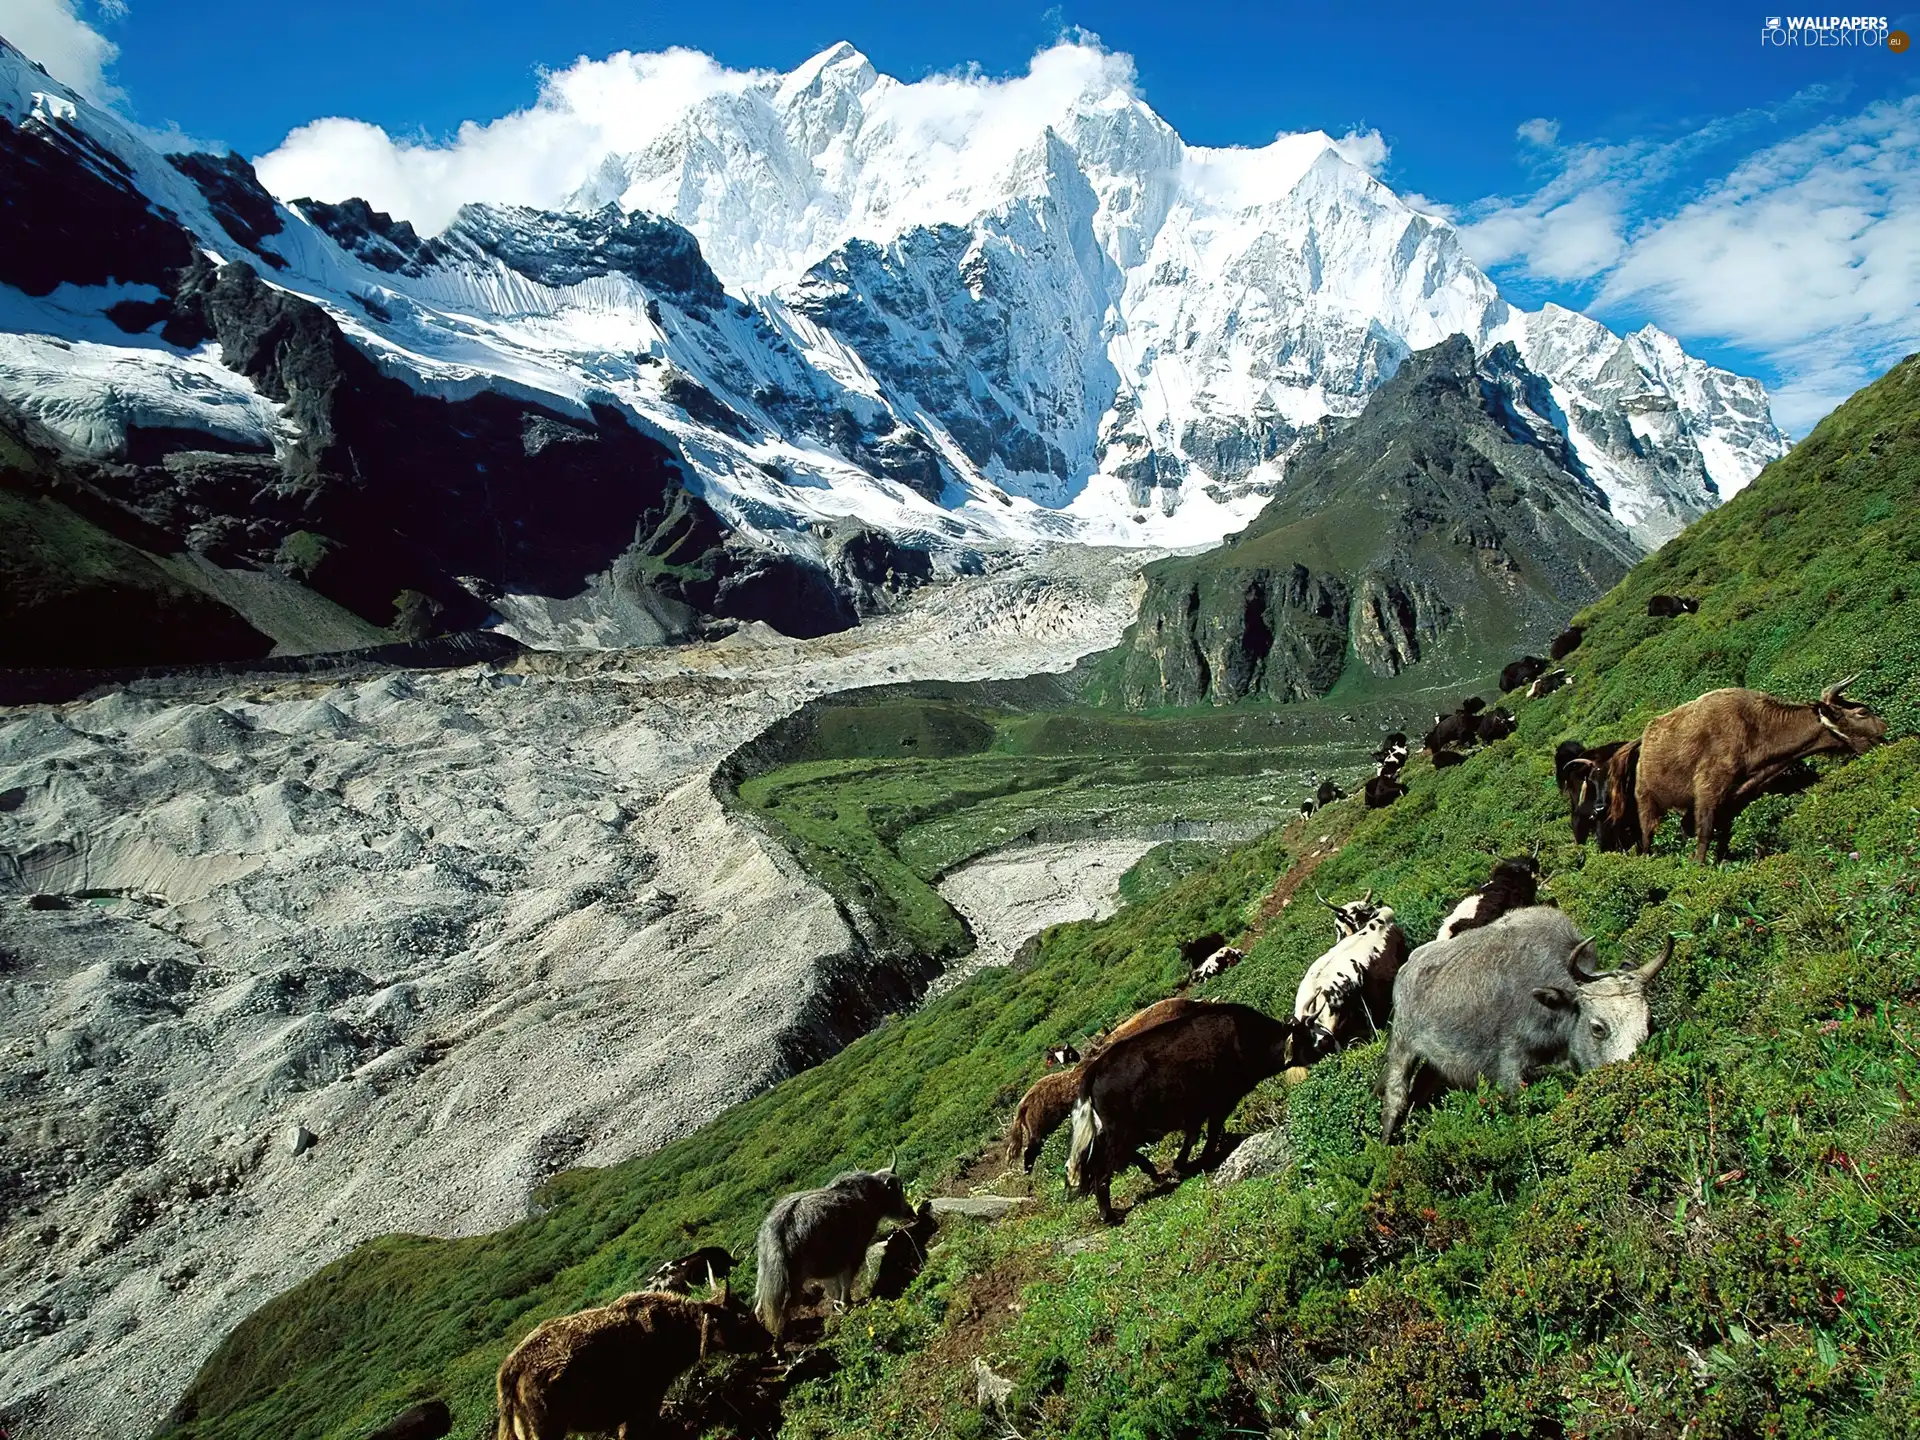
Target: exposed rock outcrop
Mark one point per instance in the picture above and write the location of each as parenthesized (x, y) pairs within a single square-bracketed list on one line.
[(1446, 525)]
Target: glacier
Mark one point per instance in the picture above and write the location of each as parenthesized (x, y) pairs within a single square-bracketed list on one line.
[(843, 299)]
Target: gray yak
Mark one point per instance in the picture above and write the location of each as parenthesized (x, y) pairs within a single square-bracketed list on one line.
[(606, 1370), (1186, 1075), (822, 1235), (1505, 1001), (1711, 756)]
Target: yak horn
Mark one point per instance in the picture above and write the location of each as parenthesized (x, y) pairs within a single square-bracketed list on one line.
[(1833, 691), (1324, 901), (1581, 973), (1652, 968), (1367, 899), (706, 1331)]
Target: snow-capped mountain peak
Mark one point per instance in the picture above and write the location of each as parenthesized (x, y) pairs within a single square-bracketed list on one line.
[(969, 314)]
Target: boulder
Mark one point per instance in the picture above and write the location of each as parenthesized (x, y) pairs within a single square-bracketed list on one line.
[(1267, 1153), (980, 1207), (428, 1420)]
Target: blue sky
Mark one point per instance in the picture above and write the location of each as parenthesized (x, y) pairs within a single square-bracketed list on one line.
[(1643, 162)]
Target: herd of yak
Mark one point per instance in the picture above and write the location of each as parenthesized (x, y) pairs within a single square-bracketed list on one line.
[(1506, 988)]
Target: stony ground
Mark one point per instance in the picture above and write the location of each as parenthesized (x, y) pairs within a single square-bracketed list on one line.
[(1010, 894), (325, 961)]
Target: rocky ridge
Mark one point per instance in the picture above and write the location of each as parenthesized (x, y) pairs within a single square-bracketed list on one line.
[(1481, 536)]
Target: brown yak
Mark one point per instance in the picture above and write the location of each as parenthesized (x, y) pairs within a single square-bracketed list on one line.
[(606, 1370), (1711, 754), (1045, 1107)]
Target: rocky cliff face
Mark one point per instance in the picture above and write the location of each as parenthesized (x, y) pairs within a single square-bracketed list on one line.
[(1448, 527), (229, 456)]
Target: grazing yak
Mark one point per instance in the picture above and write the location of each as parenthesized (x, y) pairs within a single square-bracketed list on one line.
[(1462, 727), (429, 1420), (1598, 786), (1062, 1055), (1194, 952), (1047, 1104), (1505, 1001), (1216, 965), (709, 1263), (1443, 759), (1665, 607), (822, 1235), (1548, 683), (1524, 671), (1496, 724), (1352, 917), (1351, 985), (1714, 755), (606, 1370), (1382, 791), (1184, 1076), (1042, 1110), (1513, 885), (1393, 748), (903, 1254), (1566, 642), (1328, 793)]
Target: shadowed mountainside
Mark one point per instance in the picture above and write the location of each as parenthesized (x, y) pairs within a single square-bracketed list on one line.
[(1447, 528)]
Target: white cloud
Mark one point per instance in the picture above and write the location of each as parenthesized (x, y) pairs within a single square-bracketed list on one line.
[(535, 156), (1805, 252), (1539, 131), (53, 33), (959, 125), (1808, 251), (1364, 148), (1427, 205)]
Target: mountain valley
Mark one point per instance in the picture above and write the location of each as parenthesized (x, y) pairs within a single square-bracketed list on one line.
[(527, 731)]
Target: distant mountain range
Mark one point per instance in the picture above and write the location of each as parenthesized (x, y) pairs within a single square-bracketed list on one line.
[(786, 362)]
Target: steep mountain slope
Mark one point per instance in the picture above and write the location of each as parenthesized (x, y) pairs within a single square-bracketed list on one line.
[(1709, 1240), (875, 353), (1443, 529), (247, 431)]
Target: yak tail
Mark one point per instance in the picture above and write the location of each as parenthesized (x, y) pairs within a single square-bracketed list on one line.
[(511, 1415), (772, 1286), (1086, 1133)]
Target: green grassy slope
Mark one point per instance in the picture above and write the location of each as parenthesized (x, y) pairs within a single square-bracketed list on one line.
[(1718, 1239), (897, 792), (72, 594)]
